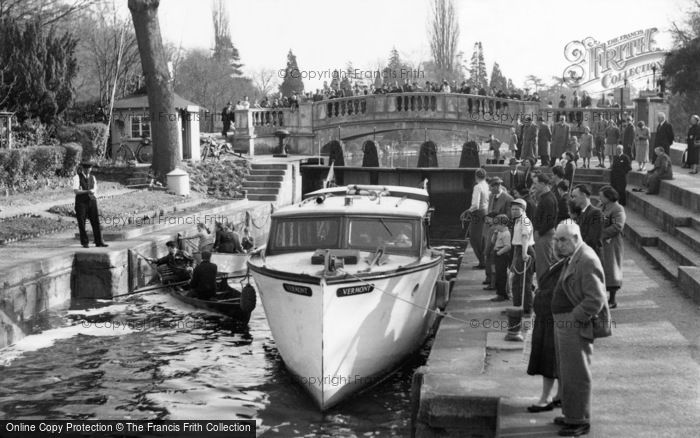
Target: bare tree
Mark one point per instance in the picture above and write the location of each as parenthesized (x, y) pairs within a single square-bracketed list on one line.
[(108, 35), (224, 49), (47, 12), (444, 34), (535, 82), (160, 90), (265, 80)]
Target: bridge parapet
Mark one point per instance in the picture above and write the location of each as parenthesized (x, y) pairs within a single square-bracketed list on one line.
[(450, 107)]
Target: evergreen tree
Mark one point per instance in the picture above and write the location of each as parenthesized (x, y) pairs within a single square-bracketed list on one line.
[(36, 70), (477, 68), (498, 81), (511, 86), (378, 78), (395, 69), (292, 79), (347, 78)]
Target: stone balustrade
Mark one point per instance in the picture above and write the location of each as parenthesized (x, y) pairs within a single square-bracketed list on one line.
[(315, 123)]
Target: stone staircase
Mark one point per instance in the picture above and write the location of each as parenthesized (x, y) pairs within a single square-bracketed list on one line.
[(666, 228), (264, 181)]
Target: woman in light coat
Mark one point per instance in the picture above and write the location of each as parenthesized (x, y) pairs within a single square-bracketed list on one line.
[(641, 152), (612, 252)]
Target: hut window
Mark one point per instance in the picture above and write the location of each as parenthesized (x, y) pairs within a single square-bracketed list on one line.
[(140, 126)]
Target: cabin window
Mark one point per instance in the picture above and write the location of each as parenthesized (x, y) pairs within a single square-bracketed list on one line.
[(396, 235), (140, 126), (306, 234)]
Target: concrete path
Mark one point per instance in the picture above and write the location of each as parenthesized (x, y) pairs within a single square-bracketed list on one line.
[(42, 207), (646, 377)]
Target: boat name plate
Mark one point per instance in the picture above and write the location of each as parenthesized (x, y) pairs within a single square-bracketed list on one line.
[(298, 290), (354, 290)]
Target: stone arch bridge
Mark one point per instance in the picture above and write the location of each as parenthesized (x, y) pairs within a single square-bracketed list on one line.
[(404, 119)]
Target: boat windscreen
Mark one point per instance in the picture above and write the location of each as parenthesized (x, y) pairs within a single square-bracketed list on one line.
[(303, 234), (396, 235)]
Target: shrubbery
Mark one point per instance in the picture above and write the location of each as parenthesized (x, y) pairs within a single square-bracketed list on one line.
[(91, 136), (31, 167), (221, 179)]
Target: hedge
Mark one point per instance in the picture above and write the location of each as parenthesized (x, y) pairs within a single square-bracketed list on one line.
[(91, 136), (25, 168)]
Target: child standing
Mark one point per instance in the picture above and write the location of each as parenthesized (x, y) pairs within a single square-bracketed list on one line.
[(501, 251), (489, 256)]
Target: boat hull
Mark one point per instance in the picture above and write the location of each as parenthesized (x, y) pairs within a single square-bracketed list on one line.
[(340, 335), (230, 307)]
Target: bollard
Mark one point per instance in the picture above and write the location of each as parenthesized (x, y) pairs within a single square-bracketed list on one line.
[(515, 317)]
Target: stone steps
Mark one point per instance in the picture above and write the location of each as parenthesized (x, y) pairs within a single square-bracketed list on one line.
[(254, 190), (264, 181), (268, 172), (689, 235), (255, 166), (684, 190), (668, 234), (679, 251), (660, 211), (264, 178), (639, 230), (272, 184), (662, 261), (271, 198)]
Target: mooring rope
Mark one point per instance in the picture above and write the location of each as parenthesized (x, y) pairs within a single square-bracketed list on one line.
[(259, 227), (437, 312)]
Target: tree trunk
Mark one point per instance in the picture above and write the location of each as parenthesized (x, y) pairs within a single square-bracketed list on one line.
[(164, 131)]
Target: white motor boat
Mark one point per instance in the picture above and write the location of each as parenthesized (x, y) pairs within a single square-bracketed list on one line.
[(349, 285)]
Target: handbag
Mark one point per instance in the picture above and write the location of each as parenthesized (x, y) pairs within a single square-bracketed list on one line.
[(602, 323)]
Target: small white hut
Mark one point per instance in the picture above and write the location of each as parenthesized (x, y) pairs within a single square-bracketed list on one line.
[(131, 122)]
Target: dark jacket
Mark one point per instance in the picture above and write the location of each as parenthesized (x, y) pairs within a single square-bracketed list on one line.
[(664, 136), (545, 217), (179, 260), (591, 223), (203, 281)]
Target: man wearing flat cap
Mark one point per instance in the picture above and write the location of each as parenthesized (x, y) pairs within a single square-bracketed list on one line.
[(85, 188)]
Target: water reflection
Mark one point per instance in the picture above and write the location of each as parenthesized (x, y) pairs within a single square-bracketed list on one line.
[(153, 357)]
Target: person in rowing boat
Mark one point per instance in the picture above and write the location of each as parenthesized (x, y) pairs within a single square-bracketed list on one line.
[(177, 261), (203, 282), (227, 240)]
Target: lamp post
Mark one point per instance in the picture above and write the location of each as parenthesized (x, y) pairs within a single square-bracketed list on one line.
[(653, 69)]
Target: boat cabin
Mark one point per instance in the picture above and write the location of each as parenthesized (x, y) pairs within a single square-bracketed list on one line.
[(349, 219)]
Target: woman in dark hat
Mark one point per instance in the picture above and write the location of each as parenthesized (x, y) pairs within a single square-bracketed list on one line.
[(85, 187)]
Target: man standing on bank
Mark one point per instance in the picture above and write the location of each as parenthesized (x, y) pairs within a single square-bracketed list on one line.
[(85, 188), (578, 296), (664, 136)]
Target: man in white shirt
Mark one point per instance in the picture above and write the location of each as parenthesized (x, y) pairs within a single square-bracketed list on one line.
[(85, 187), (477, 211), (523, 242)]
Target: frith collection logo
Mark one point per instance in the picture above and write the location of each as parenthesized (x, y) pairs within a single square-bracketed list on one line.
[(599, 66)]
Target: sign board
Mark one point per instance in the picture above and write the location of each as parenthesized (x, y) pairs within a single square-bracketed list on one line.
[(296, 289), (354, 290), (601, 66)]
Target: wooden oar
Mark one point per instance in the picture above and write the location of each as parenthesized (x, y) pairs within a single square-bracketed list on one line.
[(179, 283), (152, 288)]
